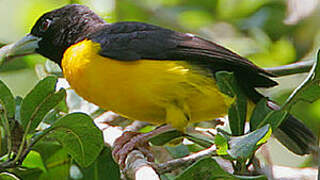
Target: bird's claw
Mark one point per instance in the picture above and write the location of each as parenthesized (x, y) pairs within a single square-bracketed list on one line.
[(128, 142)]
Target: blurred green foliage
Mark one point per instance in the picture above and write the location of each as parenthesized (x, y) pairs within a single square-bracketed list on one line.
[(254, 29)]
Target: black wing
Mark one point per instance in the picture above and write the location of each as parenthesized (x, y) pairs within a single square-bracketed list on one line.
[(128, 41)]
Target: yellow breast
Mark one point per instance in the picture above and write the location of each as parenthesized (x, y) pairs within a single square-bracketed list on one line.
[(147, 90)]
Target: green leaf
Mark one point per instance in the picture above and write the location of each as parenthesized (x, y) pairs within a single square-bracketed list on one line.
[(242, 147), (263, 114), (28, 174), (194, 148), (225, 83), (7, 100), (221, 142), (33, 160), (102, 168), (39, 102), (206, 168), (164, 138), (55, 159), (48, 148), (309, 90), (79, 136), (8, 176), (200, 139), (237, 115), (167, 177), (238, 110), (178, 151)]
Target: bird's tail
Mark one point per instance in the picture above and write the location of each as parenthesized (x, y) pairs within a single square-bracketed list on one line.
[(296, 136)]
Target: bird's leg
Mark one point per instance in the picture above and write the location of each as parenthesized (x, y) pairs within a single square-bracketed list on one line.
[(134, 140)]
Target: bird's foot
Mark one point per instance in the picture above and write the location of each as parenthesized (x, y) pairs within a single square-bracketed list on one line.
[(128, 142)]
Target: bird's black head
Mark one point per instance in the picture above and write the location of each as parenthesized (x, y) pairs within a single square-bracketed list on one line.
[(57, 30)]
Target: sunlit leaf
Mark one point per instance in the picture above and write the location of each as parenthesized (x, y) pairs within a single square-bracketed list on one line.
[(222, 144), (56, 160), (33, 160)]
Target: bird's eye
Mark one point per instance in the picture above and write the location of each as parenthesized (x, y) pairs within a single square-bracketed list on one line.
[(45, 25)]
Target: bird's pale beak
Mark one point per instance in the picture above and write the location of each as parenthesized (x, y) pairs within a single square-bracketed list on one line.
[(27, 45)]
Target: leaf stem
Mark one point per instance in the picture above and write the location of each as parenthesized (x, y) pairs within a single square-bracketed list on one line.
[(41, 134), (34, 140), (24, 138), (22, 154), (58, 163)]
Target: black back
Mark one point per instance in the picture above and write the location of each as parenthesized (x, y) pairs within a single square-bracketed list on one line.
[(130, 41)]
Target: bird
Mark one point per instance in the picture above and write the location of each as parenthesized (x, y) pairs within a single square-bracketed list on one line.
[(149, 73)]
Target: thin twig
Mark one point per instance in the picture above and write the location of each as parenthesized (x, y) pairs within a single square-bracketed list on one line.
[(33, 141), (23, 153), (184, 161), (299, 67)]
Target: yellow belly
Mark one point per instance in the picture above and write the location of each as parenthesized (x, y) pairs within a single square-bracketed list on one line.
[(146, 90)]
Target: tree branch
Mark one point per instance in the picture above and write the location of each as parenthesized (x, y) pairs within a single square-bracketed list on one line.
[(137, 166), (299, 67), (184, 161), (4, 51)]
